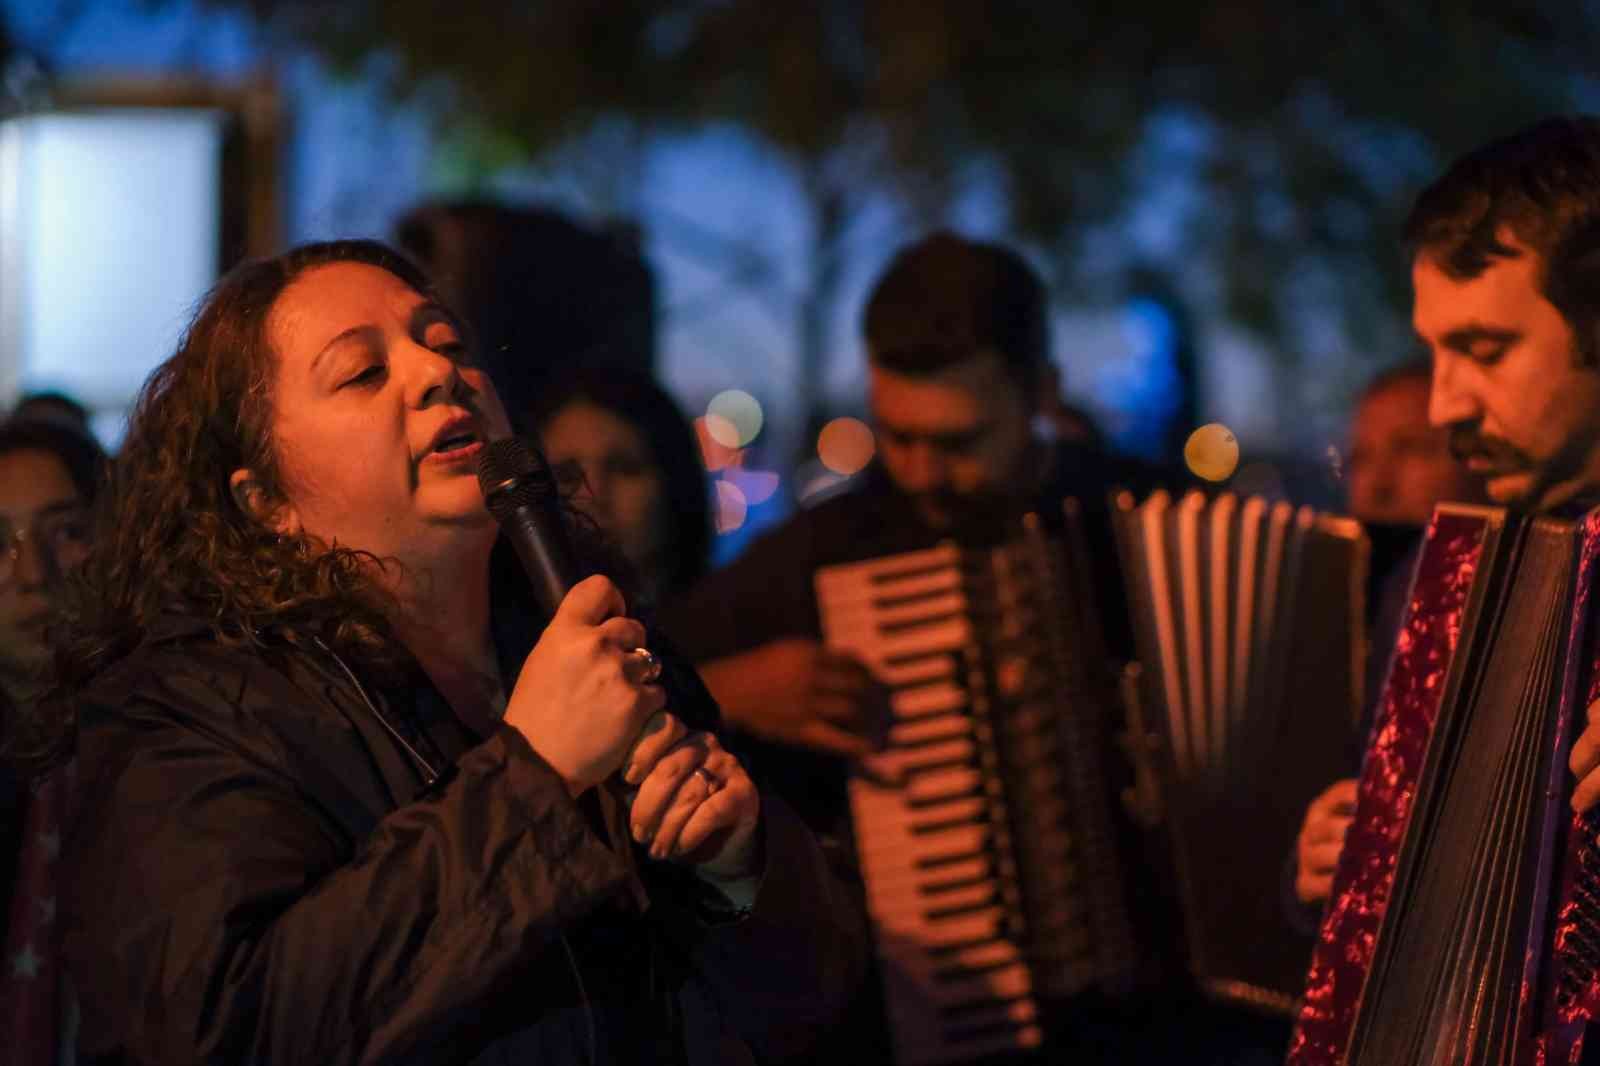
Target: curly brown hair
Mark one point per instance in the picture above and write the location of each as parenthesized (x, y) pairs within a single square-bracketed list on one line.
[(169, 538)]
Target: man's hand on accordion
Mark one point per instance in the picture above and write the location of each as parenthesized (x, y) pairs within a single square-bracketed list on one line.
[(1585, 762), (1322, 839), (796, 691)]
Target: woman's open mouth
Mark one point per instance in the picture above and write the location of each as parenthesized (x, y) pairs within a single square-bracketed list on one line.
[(456, 448)]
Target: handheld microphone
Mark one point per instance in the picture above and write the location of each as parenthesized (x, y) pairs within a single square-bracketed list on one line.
[(521, 493)]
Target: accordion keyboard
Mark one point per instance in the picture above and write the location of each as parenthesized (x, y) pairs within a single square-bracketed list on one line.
[(966, 961)]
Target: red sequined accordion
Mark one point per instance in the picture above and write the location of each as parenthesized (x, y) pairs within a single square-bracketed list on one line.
[(1464, 925)]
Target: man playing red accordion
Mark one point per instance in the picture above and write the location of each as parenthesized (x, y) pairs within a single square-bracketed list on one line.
[(1505, 251)]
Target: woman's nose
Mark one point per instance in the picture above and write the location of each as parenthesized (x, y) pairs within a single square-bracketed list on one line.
[(432, 377)]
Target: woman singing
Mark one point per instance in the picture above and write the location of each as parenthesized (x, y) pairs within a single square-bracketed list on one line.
[(342, 800)]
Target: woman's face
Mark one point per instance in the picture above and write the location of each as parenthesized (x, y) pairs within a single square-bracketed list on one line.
[(624, 491), (378, 418), (42, 519)]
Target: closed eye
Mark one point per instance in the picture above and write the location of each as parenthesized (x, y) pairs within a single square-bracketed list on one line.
[(370, 375)]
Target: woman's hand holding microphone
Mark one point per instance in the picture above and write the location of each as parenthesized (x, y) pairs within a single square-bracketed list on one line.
[(587, 703)]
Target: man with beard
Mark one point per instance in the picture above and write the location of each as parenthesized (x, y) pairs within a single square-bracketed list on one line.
[(1506, 274), (957, 336), (959, 373)]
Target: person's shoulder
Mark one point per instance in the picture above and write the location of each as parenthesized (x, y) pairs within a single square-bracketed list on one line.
[(191, 678)]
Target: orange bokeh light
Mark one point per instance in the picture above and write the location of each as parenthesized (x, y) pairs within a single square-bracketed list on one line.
[(845, 445)]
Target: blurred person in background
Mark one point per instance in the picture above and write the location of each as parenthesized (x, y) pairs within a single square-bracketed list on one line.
[(346, 795), (541, 291), (960, 379), (54, 407), (1399, 468), (644, 482), (49, 475)]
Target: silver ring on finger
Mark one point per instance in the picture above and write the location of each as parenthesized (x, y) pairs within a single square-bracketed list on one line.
[(645, 666), (713, 785)]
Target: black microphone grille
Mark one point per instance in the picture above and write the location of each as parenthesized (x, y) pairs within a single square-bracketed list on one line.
[(511, 473)]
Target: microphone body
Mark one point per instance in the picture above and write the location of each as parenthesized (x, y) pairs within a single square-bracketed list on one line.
[(520, 491)]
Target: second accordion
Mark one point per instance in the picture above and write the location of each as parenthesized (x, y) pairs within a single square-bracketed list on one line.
[(1249, 619)]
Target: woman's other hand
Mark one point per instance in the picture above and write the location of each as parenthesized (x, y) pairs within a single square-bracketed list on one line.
[(574, 700), (695, 803)]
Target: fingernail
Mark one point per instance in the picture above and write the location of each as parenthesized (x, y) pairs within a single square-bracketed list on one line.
[(640, 835), (657, 851)]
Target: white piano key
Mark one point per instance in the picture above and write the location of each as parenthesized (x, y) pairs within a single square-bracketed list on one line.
[(928, 699)]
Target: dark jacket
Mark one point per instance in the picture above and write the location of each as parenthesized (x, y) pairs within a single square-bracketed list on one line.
[(253, 877)]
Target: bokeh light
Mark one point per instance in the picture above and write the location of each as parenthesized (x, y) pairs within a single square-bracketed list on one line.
[(731, 506), (734, 418), (757, 485), (845, 445), (711, 430), (1212, 452)]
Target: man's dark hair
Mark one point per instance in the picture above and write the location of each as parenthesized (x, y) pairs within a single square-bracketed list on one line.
[(947, 299), (1542, 186)]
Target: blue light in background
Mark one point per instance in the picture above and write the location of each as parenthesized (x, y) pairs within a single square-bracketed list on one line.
[(1141, 394)]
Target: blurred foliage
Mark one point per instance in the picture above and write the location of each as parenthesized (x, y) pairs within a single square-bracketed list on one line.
[(1285, 139)]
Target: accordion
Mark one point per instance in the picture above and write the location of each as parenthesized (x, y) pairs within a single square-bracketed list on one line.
[(1464, 925), (991, 868), (1249, 621)]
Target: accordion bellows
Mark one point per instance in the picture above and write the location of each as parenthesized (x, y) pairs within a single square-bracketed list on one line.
[(1463, 924), (1248, 618)]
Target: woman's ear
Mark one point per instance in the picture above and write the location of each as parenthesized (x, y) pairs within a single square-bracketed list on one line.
[(251, 497)]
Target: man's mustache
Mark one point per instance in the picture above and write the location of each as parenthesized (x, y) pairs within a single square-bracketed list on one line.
[(1467, 442)]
